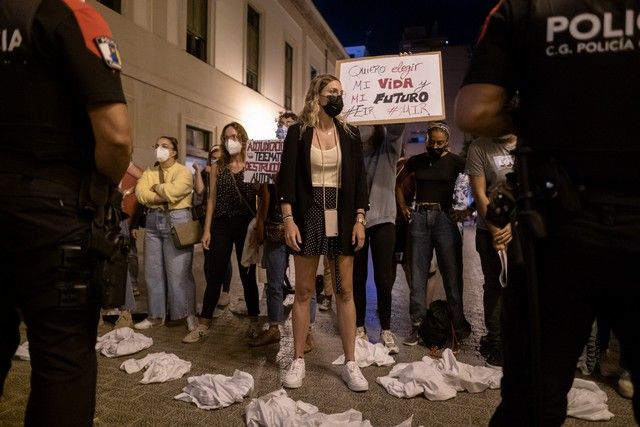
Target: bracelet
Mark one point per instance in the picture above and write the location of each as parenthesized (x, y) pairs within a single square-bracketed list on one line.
[(286, 216)]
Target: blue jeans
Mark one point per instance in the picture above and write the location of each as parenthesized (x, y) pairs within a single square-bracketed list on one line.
[(429, 230), (275, 260), (168, 270)]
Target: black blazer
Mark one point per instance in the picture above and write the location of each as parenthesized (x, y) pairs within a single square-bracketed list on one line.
[(294, 180)]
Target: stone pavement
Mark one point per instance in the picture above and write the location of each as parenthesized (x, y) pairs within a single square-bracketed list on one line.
[(123, 401)]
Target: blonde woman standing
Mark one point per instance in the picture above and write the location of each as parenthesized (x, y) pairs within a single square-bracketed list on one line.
[(323, 197)]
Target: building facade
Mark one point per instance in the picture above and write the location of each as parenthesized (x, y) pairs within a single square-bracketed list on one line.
[(191, 66)]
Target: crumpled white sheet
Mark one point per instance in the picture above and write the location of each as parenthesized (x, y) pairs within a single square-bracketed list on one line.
[(122, 342), (587, 402), (160, 367), (439, 379), (368, 354), (210, 391), (22, 352), (278, 409)]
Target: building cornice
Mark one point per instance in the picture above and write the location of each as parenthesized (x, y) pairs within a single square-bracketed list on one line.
[(315, 19)]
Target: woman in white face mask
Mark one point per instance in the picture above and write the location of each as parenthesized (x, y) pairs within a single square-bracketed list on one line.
[(231, 205), (166, 190)]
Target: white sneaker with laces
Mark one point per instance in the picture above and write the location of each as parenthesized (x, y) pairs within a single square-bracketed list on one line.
[(295, 374), (361, 333), (197, 334), (625, 386), (192, 322), (148, 323), (353, 377), (389, 340)]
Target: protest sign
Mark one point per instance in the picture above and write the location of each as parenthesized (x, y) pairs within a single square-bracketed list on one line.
[(263, 160), (392, 89)]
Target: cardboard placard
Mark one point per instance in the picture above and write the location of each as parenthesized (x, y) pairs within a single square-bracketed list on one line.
[(263, 160), (392, 89)]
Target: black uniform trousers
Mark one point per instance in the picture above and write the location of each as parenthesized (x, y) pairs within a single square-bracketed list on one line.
[(61, 341), (586, 265)]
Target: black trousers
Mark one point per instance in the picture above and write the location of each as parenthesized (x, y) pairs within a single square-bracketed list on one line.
[(208, 270), (381, 239), (586, 265), (61, 341), (492, 297), (225, 233)]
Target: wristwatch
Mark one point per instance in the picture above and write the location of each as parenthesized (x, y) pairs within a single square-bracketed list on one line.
[(361, 219)]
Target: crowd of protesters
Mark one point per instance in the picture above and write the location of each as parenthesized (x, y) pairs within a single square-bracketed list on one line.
[(343, 194)]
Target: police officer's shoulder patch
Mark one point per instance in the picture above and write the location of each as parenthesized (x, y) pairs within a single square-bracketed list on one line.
[(109, 52)]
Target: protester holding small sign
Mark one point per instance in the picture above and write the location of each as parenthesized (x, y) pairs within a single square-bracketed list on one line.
[(382, 147), (270, 233), (230, 208), (323, 195)]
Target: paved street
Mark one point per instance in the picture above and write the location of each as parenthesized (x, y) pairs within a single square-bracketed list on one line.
[(123, 401)]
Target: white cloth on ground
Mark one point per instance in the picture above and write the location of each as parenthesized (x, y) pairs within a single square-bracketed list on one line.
[(368, 354), (439, 379), (278, 409), (22, 352), (587, 402), (160, 367), (122, 342), (211, 391)]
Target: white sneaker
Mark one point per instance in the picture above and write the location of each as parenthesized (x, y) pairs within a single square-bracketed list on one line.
[(361, 333), (218, 312), (148, 323), (353, 377), (224, 299), (197, 334), (625, 386), (192, 322), (389, 340), (295, 374)]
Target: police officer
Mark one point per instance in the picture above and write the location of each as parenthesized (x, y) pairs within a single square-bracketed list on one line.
[(574, 65), (62, 117)]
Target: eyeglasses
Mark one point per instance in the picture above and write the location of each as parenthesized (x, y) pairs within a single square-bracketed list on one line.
[(334, 92)]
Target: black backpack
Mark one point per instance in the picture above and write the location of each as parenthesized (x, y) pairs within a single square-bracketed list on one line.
[(436, 329)]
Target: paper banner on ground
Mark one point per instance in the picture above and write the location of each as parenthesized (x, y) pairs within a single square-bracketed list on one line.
[(392, 89), (263, 160)]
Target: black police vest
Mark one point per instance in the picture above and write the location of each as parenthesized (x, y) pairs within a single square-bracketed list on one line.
[(44, 131)]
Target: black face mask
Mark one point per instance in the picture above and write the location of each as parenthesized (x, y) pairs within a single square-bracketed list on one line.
[(436, 153), (334, 105)]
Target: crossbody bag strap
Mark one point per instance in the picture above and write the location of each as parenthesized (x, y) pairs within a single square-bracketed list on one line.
[(235, 184), (165, 206)]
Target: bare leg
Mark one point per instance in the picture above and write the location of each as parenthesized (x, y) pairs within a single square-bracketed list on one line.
[(346, 307), (306, 267)]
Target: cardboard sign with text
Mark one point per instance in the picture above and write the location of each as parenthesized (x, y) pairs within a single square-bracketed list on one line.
[(263, 160), (392, 89)]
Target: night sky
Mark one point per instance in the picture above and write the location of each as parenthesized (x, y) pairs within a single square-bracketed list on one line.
[(379, 24)]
